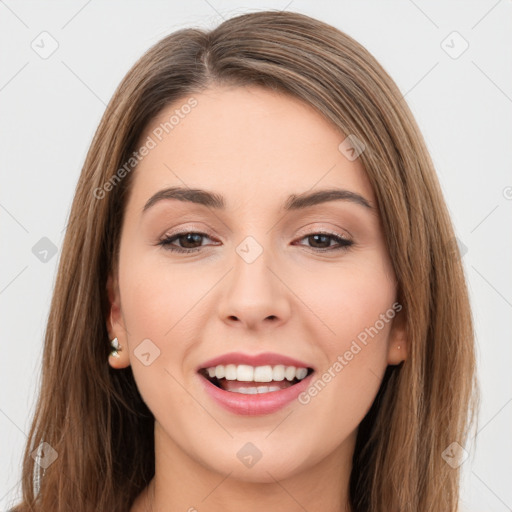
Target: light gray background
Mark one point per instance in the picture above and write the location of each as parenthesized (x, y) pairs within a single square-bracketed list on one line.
[(51, 107)]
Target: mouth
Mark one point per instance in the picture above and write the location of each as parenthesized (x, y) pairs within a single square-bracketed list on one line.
[(254, 380), (254, 384)]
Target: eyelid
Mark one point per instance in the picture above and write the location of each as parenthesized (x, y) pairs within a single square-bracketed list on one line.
[(335, 230), (308, 230), (188, 229)]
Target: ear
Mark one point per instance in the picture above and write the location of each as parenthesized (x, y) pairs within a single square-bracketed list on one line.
[(116, 327), (398, 343)]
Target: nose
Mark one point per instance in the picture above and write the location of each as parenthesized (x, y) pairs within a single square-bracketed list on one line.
[(254, 295)]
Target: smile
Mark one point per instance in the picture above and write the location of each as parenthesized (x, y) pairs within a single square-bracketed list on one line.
[(257, 388), (251, 380)]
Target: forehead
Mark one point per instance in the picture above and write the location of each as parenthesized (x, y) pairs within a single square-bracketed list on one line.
[(248, 143)]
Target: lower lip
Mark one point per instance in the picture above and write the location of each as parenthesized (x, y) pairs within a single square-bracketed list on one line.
[(252, 405)]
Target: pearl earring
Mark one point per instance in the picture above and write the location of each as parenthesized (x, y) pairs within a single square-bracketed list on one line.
[(115, 348)]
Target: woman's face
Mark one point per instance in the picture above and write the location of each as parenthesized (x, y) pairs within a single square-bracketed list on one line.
[(266, 280)]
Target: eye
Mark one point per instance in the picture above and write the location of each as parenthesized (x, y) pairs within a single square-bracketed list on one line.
[(190, 241), (325, 239)]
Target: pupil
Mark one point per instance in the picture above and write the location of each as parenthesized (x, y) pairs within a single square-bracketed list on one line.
[(325, 237), (189, 238)]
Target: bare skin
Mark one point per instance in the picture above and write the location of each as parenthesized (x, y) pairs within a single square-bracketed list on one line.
[(300, 298)]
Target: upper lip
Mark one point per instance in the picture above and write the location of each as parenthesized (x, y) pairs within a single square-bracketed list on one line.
[(263, 359)]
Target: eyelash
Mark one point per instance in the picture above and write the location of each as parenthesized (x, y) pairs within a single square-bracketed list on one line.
[(345, 244)]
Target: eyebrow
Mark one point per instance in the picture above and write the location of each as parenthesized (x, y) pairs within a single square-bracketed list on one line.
[(293, 203)]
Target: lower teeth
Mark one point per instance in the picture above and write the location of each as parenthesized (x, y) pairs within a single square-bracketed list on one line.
[(255, 391), (251, 390)]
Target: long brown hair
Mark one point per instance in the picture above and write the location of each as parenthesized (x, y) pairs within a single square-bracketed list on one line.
[(93, 416)]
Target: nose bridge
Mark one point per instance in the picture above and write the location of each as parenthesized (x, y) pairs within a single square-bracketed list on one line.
[(253, 292)]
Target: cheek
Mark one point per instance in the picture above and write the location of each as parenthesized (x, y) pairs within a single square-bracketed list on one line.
[(157, 296), (352, 301), (360, 312), (157, 305), (154, 305)]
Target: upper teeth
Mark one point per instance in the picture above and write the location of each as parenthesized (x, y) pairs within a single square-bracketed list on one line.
[(246, 373)]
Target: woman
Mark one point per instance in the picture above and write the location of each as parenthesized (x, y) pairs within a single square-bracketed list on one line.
[(316, 352)]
